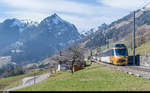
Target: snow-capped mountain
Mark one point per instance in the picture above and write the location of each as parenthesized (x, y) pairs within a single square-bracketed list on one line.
[(94, 30), (27, 41), (86, 33), (29, 22), (56, 27), (22, 24)]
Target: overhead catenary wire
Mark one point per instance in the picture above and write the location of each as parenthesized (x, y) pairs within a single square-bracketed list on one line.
[(146, 5), (133, 39)]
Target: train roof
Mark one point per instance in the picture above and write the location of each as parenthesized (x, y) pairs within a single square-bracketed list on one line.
[(107, 52), (119, 45)]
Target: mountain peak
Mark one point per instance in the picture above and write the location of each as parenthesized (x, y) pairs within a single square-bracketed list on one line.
[(54, 15), (54, 19)]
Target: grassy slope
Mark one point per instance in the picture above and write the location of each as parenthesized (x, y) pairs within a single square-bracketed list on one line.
[(143, 49), (93, 78), (14, 81)]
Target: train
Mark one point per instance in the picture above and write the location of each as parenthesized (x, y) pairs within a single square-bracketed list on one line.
[(117, 55)]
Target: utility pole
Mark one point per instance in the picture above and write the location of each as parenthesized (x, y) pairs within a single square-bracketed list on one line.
[(133, 37), (34, 76), (105, 41), (91, 53), (60, 53), (60, 61), (134, 41), (34, 73), (108, 42), (100, 51)]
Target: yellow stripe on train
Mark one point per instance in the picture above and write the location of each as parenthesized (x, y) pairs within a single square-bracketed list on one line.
[(119, 60), (116, 56)]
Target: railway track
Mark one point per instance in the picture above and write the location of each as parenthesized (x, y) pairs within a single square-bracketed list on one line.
[(132, 70), (139, 68)]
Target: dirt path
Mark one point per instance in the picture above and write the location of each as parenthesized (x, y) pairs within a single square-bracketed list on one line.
[(30, 81)]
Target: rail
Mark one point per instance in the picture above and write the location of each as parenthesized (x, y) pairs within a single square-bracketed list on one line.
[(139, 71)]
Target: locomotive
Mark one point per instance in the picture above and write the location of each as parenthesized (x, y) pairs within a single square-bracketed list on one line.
[(118, 55)]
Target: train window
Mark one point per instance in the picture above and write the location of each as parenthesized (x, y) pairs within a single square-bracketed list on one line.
[(120, 45), (121, 52), (113, 52)]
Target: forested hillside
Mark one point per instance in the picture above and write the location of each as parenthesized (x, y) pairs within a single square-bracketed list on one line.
[(121, 31)]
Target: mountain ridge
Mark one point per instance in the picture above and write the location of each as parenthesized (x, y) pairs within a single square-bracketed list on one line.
[(33, 42), (121, 29)]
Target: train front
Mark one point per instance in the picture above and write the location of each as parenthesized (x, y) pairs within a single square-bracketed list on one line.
[(120, 55)]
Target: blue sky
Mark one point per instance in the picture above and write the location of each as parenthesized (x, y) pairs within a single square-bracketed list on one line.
[(85, 14)]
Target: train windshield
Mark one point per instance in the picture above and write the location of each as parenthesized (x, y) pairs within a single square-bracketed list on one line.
[(121, 52)]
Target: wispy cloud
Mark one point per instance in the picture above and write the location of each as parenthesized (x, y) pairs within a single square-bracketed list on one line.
[(84, 23), (125, 4), (51, 5), (83, 15)]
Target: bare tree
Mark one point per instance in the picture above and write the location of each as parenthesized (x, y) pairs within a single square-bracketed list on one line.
[(73, 55), (77, 56), (140, 39)]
